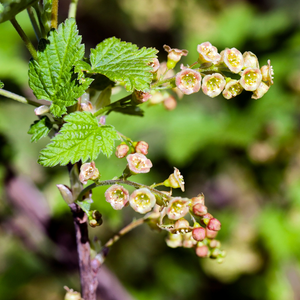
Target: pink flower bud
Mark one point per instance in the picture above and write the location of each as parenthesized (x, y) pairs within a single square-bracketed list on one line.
[(267, 73), (122, 150), (199, 199), (260, 91), (233, 59), (199, 233), (199, 209), (250, 79), (138, 163), (140, 96), (154, 64), (174, 240), (250, 60), (117, 196), (174, 56), (142, 147), (211, 234), (188, 81), (232, 89), (142, 200), (170, 103), (175, 180), (214, 224), (177, 208), (208, 53), (213, 85), (88, 171), (202, 251), (214, 244)]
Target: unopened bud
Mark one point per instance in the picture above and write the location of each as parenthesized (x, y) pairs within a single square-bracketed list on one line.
[(142, 147), (72, 295), (182, 224), (214, 224), (199, 199), (202, 251), (206, 217), (211, 234), (199, 233), (122, 150), (199, 209), (170, 103), (214, 244)]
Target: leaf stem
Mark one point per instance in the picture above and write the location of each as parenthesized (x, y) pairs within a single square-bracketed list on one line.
[(112, 105), (73, 9), (24, 37), (34, 23), (54, 14), (121, 181), (18, 98)]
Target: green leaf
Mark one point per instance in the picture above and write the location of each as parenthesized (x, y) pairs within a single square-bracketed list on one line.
[(51, 76), (40, 129), (81, 138), (85, 205), (123, 62), (10, 8), (1, 85)]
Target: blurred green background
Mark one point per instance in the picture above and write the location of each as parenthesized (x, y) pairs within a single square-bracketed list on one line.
[(243, 154)]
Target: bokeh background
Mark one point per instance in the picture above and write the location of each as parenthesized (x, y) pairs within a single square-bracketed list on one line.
[(243, 154)]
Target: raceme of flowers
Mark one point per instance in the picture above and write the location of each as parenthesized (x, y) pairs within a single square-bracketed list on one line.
[(211, 70), (165, 211)]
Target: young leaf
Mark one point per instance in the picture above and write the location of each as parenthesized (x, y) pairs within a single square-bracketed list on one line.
[(1, 85), (123, 62), (81, 138), (40, 129), (50, 77)]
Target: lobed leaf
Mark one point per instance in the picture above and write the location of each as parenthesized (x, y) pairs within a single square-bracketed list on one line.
[(40, 129), (123, 62), (81, 138), (51, 76)]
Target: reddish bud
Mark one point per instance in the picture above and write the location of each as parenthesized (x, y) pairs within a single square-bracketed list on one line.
[(199, 209), (199, 233), (214, 224), (206, 218), (211, 234), (142, 147), (122, 150), (170, 103), (202, 251)]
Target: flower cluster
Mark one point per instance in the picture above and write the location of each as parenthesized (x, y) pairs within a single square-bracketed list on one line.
[(169, 213), (210, 75)]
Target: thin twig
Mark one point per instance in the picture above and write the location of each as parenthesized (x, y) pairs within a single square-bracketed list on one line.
[(19, 98), (123, 231), (24, 37), (73, 9), (34, 23)]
